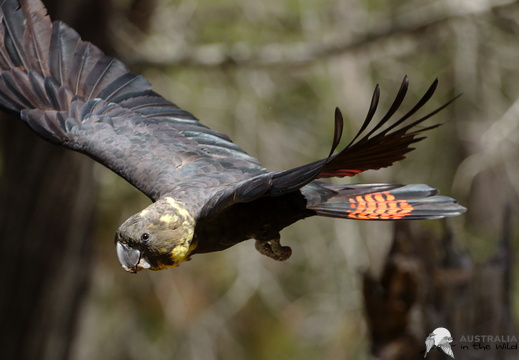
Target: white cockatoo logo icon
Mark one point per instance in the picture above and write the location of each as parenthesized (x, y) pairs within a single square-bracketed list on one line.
[(440, 338)]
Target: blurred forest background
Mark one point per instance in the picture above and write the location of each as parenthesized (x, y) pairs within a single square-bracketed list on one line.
[(269, 73)]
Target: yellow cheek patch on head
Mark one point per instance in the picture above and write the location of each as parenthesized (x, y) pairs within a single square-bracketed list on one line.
[(168, 218), (178, 207), (181, 252), (185, 244)]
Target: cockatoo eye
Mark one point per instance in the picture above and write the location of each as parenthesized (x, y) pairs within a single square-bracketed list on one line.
[(145, 238)]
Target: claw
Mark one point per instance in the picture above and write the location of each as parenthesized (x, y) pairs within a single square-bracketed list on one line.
[(273, 249)]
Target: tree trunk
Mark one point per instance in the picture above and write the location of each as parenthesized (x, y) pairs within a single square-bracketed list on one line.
[(47, 200), (427, 283)]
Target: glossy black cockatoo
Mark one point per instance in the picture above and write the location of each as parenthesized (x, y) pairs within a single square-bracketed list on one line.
[(208, 194)]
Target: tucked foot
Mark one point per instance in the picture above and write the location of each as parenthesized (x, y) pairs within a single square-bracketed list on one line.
[(273, 249)]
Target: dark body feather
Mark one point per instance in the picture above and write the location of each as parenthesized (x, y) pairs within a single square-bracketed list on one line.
[(261, 219), (72, 95)]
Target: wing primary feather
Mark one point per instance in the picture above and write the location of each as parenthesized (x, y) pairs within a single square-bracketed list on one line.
[(55, 53), (5, 60), (51, 87), (371, 112), (425, 98), (394, 107), (78, 63), (123, 81), (420, 120), (36, 81), (102, 66), (14, 26), (62, 45), (9, 79), (36, 36), (11, 102), (8, 104), (337, 130)]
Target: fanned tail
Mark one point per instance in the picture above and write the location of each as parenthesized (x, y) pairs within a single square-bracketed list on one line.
[(381, 202)]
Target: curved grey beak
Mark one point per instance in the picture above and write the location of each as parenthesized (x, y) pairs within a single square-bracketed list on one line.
[(130, 258)]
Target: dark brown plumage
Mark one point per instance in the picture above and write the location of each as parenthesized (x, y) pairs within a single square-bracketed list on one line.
[(207, 193)]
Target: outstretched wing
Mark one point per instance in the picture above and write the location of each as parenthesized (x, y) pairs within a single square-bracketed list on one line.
[(73, 95), (387, 142)]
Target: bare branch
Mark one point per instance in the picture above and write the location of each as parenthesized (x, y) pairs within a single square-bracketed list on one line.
[(411, 23)]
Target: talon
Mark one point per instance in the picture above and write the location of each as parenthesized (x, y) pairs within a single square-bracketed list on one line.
[(273, 249)]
